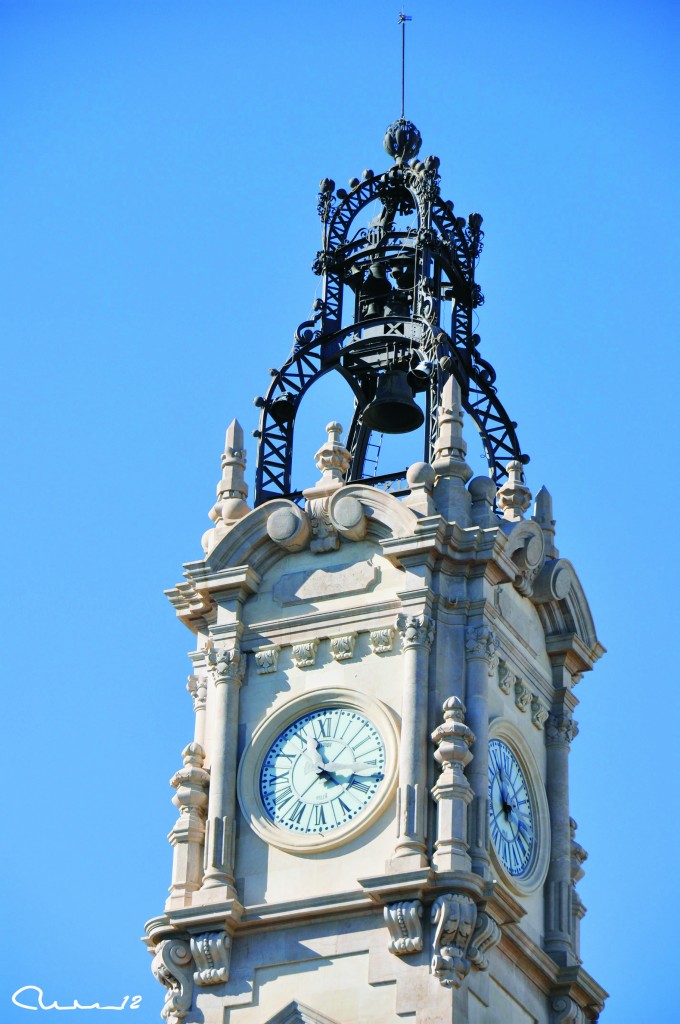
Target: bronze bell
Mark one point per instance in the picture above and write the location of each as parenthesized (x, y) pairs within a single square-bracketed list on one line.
[(393, 410)]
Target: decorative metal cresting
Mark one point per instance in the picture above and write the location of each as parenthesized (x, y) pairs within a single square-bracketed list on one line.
[(395, 319)]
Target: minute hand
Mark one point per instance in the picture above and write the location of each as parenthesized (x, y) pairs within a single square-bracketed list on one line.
[(353, 767)]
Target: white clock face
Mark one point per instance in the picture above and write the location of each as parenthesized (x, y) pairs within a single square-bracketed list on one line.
[(511, 814), (322, 770)]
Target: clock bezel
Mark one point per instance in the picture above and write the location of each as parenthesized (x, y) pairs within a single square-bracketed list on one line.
[(534, 876), (248, 778)]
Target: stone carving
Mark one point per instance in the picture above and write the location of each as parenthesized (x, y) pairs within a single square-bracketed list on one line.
[(543, 515), (486, 935), (304, 655), (506, 678), (452, 791), (342, 647), (232, 490), (539, 712), (404, 920), (454, 916), (482, 490), (226, 662), (188, 833), (554, 582), (454, 739), (333, 460), (566, 1011), (191, 782), (198, 688), (381, 641), (348, 517), (578, 854), (416, 630), (560, 728), (462, 938), (420, 480), (266, 660), (324, 535), (290, 528), (522, 695), (578, 909), (514, 497), (211, 952), (482, 642), (172, 966)]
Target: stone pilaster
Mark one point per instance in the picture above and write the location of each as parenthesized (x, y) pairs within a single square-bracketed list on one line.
[(481, 646), (560, 729), (227, 665), (452, 791), (417, 633)]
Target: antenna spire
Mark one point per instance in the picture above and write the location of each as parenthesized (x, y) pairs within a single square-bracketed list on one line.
[(403, 18)]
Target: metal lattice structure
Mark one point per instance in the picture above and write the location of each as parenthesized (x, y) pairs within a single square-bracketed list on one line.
[(387, 288)]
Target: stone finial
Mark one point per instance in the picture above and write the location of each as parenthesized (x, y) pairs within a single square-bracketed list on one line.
[(514, 497), (232, 490), (578, 854), (420, 479), (451, 469), (332, 459), (543, 515), (483, 494), (453, 738)]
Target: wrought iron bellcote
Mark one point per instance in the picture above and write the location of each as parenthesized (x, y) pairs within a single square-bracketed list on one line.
[(395, 318)]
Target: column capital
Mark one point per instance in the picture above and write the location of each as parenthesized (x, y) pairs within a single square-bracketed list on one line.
[(416, 631), (197, 687), (226, 662), (481, 642), (560, 728)]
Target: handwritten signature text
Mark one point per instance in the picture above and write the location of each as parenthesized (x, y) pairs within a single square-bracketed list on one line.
[(29, 1002)]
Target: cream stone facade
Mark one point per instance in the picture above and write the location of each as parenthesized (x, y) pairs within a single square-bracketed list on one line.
[(444, 622)]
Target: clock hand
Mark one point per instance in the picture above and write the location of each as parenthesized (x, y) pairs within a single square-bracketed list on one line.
[(317, 763), (353, 768)]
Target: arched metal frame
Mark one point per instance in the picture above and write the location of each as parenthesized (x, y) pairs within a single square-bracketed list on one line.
[(443, 251)]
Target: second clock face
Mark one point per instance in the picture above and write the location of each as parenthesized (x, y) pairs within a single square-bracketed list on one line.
[(511, 814), (322, 770)]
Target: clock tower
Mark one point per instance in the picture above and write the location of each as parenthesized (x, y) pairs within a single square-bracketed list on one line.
[(374, 822)]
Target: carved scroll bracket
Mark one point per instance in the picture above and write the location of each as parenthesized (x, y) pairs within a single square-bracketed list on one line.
[(462, 938), (172, 966), (404, 921), (212, 953)]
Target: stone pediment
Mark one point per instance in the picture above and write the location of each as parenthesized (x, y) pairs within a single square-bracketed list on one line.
[(298, 1013)]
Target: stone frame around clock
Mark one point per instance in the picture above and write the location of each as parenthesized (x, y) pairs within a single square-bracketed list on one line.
[(248, 777), (500, 729)]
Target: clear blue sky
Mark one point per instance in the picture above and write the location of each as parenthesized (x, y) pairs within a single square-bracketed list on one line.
[(158, 190)]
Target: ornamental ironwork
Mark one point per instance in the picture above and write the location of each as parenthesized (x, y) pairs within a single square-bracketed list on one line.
[(398, 295)]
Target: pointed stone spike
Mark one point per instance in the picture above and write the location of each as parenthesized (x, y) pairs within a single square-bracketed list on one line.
[(543, 515), (232, 490), (234, 437), (451, 469)]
